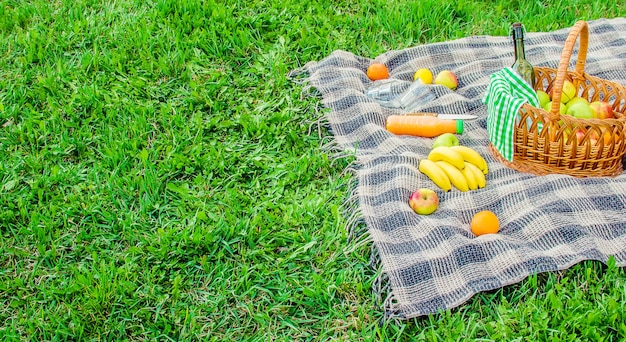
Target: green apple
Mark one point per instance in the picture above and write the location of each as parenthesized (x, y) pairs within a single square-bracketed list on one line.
[(601, 110), (568, 92), (447, 78), (446, 139), (548, 107), (576, 100), (424, 201), (543, 98), (580, 110)]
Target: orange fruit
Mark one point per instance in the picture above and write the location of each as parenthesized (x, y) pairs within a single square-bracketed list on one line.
[(377, 71), (485, 222)]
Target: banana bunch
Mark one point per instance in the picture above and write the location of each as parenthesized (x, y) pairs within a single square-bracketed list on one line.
[(458, 166)]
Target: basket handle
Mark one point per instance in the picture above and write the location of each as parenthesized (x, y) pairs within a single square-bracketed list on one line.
[(579, 29)]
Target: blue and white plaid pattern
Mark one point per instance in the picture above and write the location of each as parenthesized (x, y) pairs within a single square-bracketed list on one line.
[(432, 263)]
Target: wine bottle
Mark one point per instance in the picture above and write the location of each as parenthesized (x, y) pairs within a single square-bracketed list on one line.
[(521, 65)]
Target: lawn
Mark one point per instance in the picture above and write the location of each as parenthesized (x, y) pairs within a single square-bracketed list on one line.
[(162, 179)]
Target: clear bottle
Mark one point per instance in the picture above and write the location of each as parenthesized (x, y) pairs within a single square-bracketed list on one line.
[(395, 93), (521, 65), (422, 125)]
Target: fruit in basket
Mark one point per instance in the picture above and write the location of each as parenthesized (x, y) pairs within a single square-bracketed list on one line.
[(601, 110), (601, 135), (594, 137), (580, 110), (610, 138), (580, 135), (568, 92), (424, 201), (548, 107), (447, 78), (446, 139), (543, 98), (377, 71), (485, 222), (575, 100), (423, 74)]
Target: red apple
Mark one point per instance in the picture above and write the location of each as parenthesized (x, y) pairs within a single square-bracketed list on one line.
[(424, 201), (594, 137), (601, 110), (580, 134)]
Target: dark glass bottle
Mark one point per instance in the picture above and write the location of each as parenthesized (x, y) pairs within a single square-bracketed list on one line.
[(521, 65)]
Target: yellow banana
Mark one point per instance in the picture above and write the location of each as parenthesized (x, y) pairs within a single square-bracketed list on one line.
[(454, 174), (436, 174), (480, 176), (447, 154), (470, 155), (472, 182)]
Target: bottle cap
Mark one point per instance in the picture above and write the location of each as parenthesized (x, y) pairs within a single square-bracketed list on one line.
[(459, 126)]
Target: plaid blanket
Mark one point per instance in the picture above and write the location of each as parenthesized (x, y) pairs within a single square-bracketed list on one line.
[(433, 263)]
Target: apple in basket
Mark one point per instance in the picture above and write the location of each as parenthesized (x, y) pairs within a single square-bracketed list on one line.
[(601, 110), (576, 100), (567, 93), (580, 135), (548, 107), (543, 97), (580, 110), (606, 137), (424, 201)]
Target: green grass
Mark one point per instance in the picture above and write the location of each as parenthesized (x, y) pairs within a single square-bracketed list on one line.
[(158, 180)]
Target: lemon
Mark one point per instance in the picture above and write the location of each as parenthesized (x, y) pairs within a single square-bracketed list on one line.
[(423, 74)]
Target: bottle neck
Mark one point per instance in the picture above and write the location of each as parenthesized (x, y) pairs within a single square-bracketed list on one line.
[(519, 48), (518, 41)]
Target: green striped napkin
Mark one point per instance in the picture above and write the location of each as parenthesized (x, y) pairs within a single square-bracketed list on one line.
[(506, 93)]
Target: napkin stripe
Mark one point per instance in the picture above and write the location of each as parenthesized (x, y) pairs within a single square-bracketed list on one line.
[(506, 93)]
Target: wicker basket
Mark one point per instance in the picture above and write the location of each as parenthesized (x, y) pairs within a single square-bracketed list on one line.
[(546, 142)]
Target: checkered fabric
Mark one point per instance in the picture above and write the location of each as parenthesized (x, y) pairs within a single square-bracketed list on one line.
[(432, 263)]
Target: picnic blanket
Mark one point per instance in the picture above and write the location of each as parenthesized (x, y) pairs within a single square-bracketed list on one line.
[(434, 263)]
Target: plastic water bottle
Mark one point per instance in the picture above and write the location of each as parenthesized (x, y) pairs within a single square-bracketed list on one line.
[(394, 93)]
